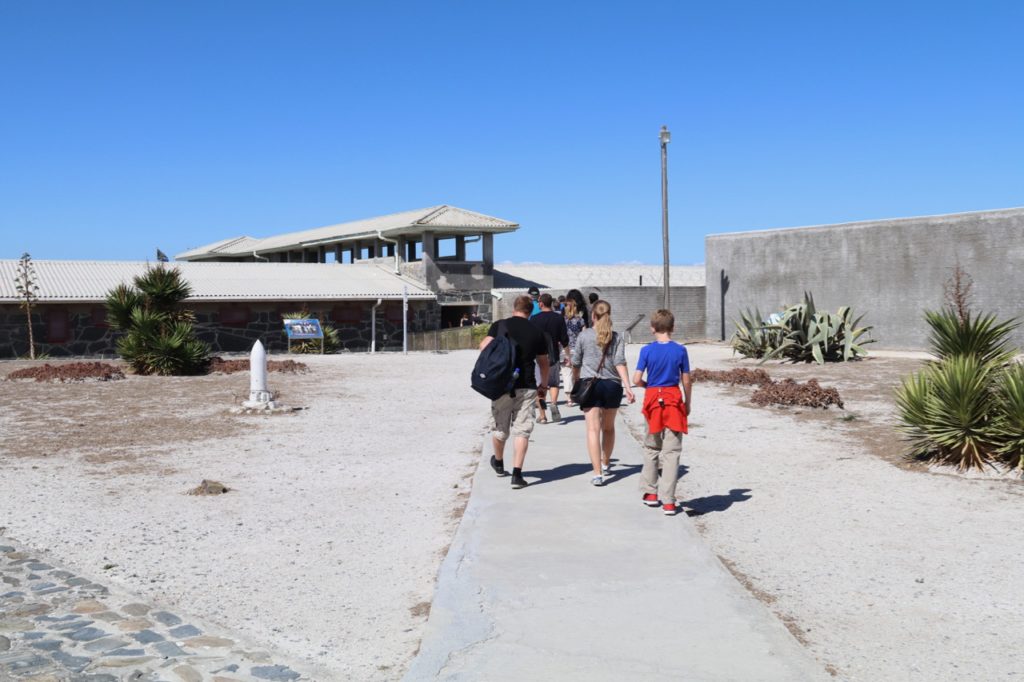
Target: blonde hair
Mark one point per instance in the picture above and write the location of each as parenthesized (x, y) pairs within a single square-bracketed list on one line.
[(601, 316), (570, 309)]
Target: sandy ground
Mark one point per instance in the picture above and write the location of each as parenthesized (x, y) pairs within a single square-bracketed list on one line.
[(327, 547), (887, 571)]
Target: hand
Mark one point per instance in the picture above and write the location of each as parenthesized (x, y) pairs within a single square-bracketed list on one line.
[(630, 396), (687, 409)]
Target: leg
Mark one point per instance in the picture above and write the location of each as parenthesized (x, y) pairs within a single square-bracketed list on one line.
[(649, 473), (670, 450), (501, 424), (593, 417), (521, 444), (608, 433)]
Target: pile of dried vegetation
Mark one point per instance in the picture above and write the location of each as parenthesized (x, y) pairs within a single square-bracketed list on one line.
[(72, 371), (790, 392), (771, 392), (218, 364)]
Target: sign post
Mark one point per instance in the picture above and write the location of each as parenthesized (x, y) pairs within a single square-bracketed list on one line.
[(304, 329)]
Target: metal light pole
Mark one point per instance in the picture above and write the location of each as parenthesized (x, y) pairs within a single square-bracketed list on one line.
[(665, 138)]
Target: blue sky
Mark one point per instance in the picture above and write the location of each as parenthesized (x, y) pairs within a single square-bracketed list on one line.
[(136, 125)]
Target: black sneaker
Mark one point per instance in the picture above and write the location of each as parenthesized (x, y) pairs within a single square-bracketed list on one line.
[(498, 466), (518, 481)]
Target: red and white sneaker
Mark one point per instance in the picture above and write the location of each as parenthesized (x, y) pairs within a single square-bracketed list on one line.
[(669, 509), (651, 500)]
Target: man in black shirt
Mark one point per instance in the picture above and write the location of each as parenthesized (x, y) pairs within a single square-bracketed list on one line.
[(552, 325), (514, 415)]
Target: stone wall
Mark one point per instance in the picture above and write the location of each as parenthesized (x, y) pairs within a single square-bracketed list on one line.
[(63, 330), (629, 303), (888, 270)]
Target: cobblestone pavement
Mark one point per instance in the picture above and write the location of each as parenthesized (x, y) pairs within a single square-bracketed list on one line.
[(56, 626)]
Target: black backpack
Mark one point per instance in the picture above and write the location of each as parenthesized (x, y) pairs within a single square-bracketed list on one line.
[(496, 371)]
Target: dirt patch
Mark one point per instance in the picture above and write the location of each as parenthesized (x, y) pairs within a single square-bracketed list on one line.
[(739, 376), (420, 610), (72, 371), (219, 365)]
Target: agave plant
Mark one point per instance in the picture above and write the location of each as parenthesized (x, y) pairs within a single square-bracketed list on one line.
[(753, 337), (158, 334), (806, 334)]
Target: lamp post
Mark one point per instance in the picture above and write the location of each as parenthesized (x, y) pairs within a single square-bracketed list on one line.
[(665, 136)]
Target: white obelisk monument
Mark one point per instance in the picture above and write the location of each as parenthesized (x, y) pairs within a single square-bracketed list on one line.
[(259, 396)]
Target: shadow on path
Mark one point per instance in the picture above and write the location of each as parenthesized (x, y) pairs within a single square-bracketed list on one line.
[(715, 503)]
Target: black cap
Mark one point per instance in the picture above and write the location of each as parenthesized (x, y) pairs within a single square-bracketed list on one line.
[(533, 291)]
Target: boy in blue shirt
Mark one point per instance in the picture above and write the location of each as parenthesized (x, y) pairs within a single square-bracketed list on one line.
[(667, 365)]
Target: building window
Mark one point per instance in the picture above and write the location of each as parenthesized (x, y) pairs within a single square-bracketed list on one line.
[(447, 248), (58, 326)]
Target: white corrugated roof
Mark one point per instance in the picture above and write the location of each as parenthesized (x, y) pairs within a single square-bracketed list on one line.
[(520, 276), (73, 280), (447, 218)]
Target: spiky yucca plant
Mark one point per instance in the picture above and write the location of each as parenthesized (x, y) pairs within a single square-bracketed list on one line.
[(1009, 420), (967, 407), (954, 333), (159, 337), (947, 415)]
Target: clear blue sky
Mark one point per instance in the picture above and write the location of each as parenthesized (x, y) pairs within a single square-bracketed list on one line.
[(128, 126)]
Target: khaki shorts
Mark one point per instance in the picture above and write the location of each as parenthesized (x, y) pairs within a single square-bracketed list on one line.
[(514, 415)]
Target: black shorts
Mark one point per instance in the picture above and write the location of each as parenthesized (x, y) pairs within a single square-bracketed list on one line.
[(607, 393)]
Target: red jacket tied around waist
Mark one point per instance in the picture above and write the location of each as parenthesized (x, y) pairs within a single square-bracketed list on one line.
[(664, 409)]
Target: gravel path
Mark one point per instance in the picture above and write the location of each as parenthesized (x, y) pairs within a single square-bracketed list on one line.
[(326, 549)]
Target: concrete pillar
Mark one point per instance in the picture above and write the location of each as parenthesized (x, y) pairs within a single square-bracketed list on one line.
[(321, 254), (337, 253), (460, 248), (488, 249)]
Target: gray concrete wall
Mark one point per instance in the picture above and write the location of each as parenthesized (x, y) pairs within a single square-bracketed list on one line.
[(890, 270), (629, 302)]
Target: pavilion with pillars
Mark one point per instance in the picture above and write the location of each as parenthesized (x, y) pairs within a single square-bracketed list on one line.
[(450, 250)]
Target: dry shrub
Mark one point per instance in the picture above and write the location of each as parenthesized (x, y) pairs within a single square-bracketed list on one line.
[(72, 371), (741, 376), (218, 364), (790, 392)]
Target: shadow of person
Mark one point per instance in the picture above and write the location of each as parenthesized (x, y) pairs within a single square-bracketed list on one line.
[(621, 472), (574, 418), (715, 503), (559, 473)]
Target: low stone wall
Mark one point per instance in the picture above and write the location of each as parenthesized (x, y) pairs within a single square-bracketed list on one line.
[(629, 303), (63, 330)]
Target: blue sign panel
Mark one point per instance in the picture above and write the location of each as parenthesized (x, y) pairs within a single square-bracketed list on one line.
[(303, 329)]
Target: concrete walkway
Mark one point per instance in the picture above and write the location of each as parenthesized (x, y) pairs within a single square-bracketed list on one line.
[(563, 580)]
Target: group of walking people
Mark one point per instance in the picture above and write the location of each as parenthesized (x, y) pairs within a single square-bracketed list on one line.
[(550, 334)]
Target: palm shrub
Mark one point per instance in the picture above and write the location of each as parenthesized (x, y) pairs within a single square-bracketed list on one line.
[(159, 335), (966, 408), (803, 334)]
